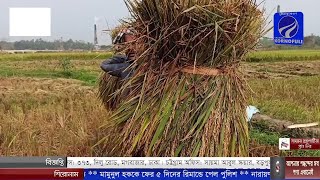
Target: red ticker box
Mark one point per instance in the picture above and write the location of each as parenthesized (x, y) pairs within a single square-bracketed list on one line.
[(43, 174), (305, 144), (302, 168)]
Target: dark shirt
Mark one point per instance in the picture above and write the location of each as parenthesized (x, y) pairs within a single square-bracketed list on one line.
[(117, 66)]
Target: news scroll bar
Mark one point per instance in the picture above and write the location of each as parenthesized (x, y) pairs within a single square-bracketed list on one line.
[(168, 163)]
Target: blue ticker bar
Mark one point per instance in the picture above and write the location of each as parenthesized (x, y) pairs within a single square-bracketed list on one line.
[(143, 174)]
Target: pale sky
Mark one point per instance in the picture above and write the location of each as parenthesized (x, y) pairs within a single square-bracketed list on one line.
[(75, 18)]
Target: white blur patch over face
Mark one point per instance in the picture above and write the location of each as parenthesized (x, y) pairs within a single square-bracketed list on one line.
[(30, 21)]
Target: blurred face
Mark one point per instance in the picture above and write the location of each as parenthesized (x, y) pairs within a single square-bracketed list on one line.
[(126, 38)]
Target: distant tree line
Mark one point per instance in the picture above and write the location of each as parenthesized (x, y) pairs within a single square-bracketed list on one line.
[(40, 44), (310, 42)]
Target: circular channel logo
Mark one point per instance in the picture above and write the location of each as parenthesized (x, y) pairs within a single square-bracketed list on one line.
[(288, 26)]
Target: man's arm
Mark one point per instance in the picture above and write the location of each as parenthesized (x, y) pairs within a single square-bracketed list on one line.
[(116, 66)]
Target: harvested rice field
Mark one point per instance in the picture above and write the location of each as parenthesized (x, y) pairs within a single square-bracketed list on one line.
[(49, 106)]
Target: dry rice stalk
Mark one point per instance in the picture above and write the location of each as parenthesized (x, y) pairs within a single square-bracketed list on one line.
[(108, 87)]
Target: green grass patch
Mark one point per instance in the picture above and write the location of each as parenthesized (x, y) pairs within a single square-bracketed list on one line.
[(56, 56), (259, 56), (270, 138), (88, 77), (284, 55), (292, 99), (287, 110)]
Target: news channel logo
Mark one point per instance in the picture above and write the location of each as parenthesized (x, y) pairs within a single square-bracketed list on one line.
[(288, 28), (284, 144)]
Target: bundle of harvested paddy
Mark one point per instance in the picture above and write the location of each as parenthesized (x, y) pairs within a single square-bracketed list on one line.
[(108, 86), (187, 96)]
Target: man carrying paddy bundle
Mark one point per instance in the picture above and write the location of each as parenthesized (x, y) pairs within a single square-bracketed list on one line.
[(187, 96), (118, 64)]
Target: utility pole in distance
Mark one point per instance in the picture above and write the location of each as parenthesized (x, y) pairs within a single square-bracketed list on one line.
[(278, 9), (61, 44), (95, 41)]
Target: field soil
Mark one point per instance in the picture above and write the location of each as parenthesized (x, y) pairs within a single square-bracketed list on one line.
[(275, 70)]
